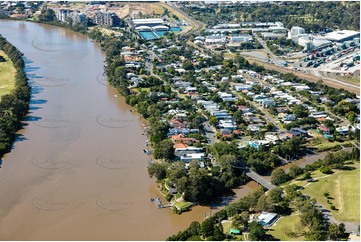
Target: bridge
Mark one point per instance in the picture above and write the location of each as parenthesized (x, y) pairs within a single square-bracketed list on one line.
[(259, 179), (256, 177)]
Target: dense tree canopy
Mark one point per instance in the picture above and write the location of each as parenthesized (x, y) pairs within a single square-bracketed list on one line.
[(13, 106)]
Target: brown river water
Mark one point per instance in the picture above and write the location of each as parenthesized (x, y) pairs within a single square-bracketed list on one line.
[(77, 170)]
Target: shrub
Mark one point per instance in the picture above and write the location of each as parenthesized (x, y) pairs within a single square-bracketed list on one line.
[(326, 170)]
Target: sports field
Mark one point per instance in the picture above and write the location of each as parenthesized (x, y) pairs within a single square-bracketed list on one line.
[(344, 190)]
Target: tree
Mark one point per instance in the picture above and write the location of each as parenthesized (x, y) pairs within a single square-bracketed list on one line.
[(257, 233), (342, 228), (269, 127), (295, 171), (351, 116), (158, 170), (238, 117), (278, 176), (307, 175), (276, 194), (213, 121), (333, 231), (176, 171), (164, 149), (326, 170), (187, 65), (194, 228), (47, 15), (228, 160), (207, 228)]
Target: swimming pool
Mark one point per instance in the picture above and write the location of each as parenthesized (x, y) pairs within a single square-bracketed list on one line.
[(176, 29), (147, 35), (161, 33)]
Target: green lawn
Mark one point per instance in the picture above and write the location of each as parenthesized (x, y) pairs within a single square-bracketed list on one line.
[(226, 227), (7, 75), (344, 190), (289, 225), (326, 145), (183, 205)]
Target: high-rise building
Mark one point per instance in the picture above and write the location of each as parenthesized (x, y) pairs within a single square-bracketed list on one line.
[(106, 19), (63, 15), (79, 18)]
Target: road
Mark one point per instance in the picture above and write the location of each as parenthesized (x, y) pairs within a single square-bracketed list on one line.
[(264, 44), (259, 179), (210, 132), (327, 215), (264, 113), (327, 81), (197, 25)]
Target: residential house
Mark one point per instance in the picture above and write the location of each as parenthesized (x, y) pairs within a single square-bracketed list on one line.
[(241, 87), (267, 219), (289, 117), (324, 130), (343, 130), (227, 124), (301, 132), (266, 103), (225, 132)]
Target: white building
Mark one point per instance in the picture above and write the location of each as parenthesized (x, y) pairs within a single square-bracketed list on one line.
[(150, 22), (216, 39), (341, 36), (241, 38), (295, 31)]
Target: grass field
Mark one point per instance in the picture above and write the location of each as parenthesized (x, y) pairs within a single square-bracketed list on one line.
[(226, 226), (229, 55), (326, 145), (183, 205), (344, 190), (7, 75), (290, 224)]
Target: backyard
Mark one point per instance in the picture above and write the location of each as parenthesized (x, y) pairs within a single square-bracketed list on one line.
[(287, 228)]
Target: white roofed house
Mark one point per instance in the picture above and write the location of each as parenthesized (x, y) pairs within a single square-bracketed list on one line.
[(241, 87), (227, 124), (227, 97), (266, 103), (216, 39), (189, 154), (192, 157)]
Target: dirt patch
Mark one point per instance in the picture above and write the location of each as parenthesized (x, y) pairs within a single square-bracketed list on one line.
[(137, 9), (338, 195)]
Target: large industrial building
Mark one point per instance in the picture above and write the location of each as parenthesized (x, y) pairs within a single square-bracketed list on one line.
[(342, 36), (241, 38), (311, 42)]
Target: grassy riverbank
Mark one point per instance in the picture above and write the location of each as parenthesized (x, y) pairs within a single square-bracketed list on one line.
[(7, 75)]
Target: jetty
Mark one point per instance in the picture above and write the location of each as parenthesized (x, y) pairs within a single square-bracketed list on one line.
[(158, 203)]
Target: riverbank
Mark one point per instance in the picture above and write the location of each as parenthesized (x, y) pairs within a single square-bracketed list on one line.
[(7, 74), (79, 161), (15, 100)]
